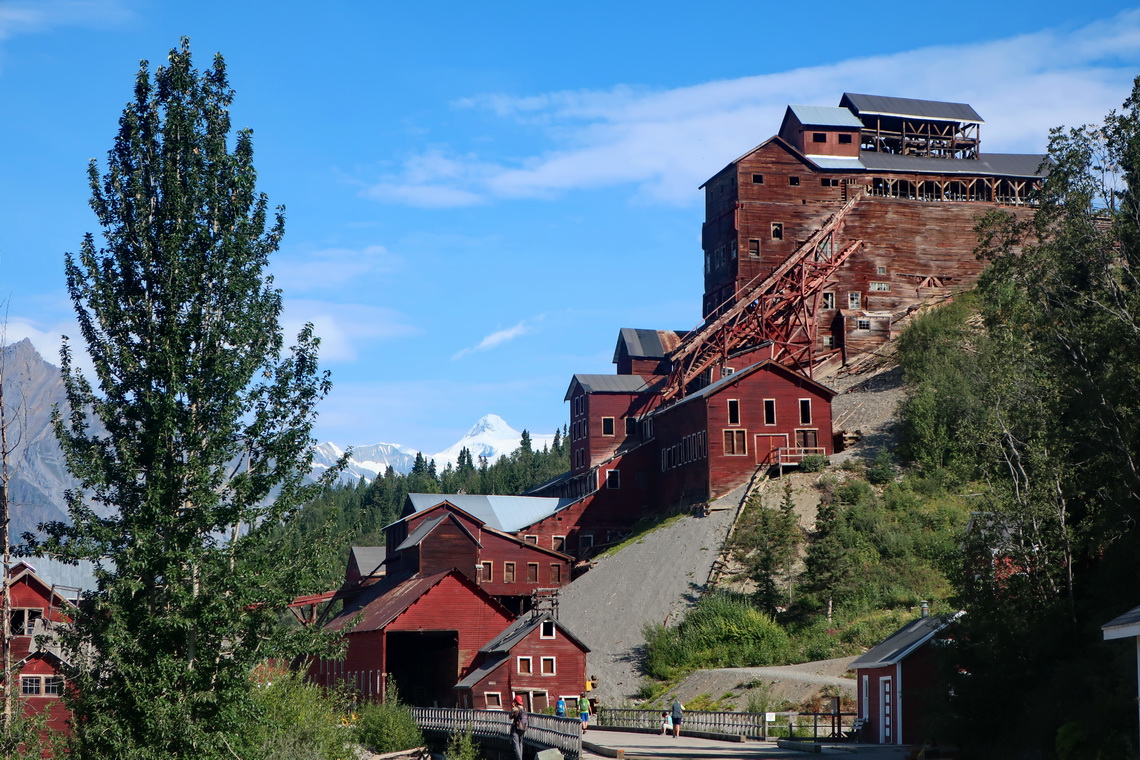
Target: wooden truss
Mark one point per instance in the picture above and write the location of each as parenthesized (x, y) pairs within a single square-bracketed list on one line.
[(780, 307)]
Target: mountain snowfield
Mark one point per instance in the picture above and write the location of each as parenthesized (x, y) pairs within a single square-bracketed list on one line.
[(490, 437)]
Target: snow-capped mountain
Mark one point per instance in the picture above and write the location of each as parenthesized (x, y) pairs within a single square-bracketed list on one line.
[(490, 437)]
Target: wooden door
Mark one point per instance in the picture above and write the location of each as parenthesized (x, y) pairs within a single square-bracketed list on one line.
[(765, 445), (886, 712)]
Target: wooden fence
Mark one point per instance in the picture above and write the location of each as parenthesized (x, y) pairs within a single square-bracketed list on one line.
[(753, 725), (543, 731)]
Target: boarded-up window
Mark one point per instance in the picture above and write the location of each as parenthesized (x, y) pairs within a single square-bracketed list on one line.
[(555, 573), (508, 572), (735, 443), (754, 248), (486, 574), (532, 572), (493, 700), (525, 667), (547, 665)]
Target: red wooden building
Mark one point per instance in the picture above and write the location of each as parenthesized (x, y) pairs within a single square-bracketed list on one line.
[(896, 680), (536, 658), (508, 567), (38, 610), (423, 631)]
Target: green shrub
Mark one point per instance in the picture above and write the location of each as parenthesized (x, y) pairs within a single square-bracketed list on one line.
[(296, 720), (388, 726), (813, 463), (883, 470), (460, 746)]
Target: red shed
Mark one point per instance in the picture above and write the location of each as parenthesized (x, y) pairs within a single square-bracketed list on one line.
[(536, 657), (894, 681), (424, 632)]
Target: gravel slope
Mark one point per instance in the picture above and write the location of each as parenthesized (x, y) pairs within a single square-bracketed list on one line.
[(653, 580)]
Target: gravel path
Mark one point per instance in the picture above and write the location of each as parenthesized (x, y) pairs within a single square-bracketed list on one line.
[(777, 685), (653, 580)]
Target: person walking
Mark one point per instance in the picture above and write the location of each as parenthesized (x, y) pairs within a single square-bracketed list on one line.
[(518, 727), (677, 712), (560, 708), (584, 711)]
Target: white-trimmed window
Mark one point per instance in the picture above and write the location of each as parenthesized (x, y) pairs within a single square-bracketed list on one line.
[(508, 572), (486, 572), (805, 411), (531, 539), (525, 666), (558, 543), (31, 686), (735, 443), (733, 411), (828, 341), (493, 700), (547, 667), (769, 411), (854, 300), (880, 287), (607, 425), (613, 479), (862, 324), (585, 541), (555, 573), (881, 269), (532, 572), (53, 686), (828, 301), (24, 620), (547, 630)]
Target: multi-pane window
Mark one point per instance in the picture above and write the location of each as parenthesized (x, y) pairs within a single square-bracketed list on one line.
[(854, 300), (880, 287), (828, 301), (862, 324), (53, 686), (30, 686)]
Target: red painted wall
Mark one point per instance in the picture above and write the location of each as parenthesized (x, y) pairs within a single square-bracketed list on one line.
[(506, 680)]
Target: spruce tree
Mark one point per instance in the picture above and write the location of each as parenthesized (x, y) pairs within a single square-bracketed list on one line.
[(192, 439)]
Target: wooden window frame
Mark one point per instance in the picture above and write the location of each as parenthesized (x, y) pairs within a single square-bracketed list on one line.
[(487, 571), (532, 572), (736, 439), (854, 299), (542, 630), (509, 572), (531, 539), (612, 427), (757, 179), (587, 539), (53, 686), (879, 287), (555, 573), (542, 666), (769, 412), (863, 323), (613, 480), (827, 301), (497, 704), (754, 248), (805, 403), (777, 230), (732, 410), (529, 666), (558, 543), (819, 137), (793, 181), (845, 138), (31, 686)]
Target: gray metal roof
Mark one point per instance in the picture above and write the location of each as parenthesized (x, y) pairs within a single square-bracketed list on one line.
[(883, 105), (612, 384), (505, 513), (826, 116), (996, 164), (647, 344), (899, 645), (1125, 625), (740, 375), (851, 163), (421, 531), (481, 671), (368, 558), (523, 627)]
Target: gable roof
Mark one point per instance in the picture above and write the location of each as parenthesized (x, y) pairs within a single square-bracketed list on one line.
[(883, 105), (380, 604), (503, 513), (720, 384), (427, 526), (900, 644), (647, 344), (497, 650), (24, 571), (614, 384), (1123, 626)]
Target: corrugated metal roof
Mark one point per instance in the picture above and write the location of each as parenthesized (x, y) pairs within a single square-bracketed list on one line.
[(1123, 626), (825, 116), (505, 513), (996, 164), (523, 627), (613, 384), (740, 375), (481, 671), (368, 558), (925, 109), (648, 344), (383, 602), (421, 531), (905, 640)]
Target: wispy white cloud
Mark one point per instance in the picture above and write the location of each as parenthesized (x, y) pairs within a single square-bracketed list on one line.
[(344, 327), (331, 267), (29, 16), (667, 142), (497, 338)]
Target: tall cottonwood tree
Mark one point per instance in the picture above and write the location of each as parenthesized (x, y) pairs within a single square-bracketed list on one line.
[(207, 417)]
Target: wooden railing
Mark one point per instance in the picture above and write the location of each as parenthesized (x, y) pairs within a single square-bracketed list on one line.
[(543, 731), (752, 725), (796, 454)]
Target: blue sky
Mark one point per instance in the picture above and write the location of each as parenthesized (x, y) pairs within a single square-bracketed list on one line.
[(479, 195)]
